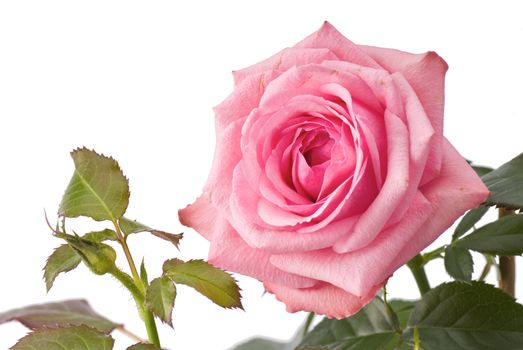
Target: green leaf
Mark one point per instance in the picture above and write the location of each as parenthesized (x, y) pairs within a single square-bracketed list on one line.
[(59, 314), (458, 263), (174, 238), (268, 344), (98, 188), (501, 237), (482, 170), (63, 259), (100, 236), (215, 284), (143, 274), (402, 308), (99, 257), (505, 184), (71, 338), (469, 220), (467, 316), (142, 346), (373, 327), (263, 344), (129, 227), (170, 264), (159, 298)]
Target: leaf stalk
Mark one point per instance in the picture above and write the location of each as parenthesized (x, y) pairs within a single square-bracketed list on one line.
[(418, 271)]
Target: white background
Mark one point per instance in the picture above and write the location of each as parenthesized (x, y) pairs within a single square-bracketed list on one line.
[(137, 80)]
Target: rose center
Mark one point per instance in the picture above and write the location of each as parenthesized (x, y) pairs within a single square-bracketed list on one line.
[(318, 149)]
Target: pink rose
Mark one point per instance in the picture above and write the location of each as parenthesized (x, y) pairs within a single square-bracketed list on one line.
[(331, 171)]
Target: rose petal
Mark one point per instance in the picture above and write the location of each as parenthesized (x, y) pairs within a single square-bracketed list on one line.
[(421, 136), (228, 251), (426, 74), (245, 97), (285, 59), (323, 299), (201, 216), (227, 154), (329, 37), (456, 190), (357, 272), (425, 220), (390, 195), (246, 221)]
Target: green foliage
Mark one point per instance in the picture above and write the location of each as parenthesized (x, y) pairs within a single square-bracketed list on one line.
[(159, 298), (501, 237), (129, 227), (100, 236), (505, 183), (373, 327), (268, 344), (174, 238), (99, 257), (402, 309), (170, 264), (215, 284), (70, 338), (469, 220), (98, 188), (143, 274), (467, 316), (263, 344), (481, 170), (59, 314), (458, 263), (142, 346), (63, 259)]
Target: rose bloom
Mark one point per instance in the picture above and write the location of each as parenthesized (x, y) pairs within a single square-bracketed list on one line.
[(331, 171)]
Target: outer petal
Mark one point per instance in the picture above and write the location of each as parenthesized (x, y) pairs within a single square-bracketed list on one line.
[(228, 251), (284, 60), (230, 117), (457, 189), (359, 271), (227, 155), (329, 37), (426, 74), (323, 299), (201, 216), (245, 97)]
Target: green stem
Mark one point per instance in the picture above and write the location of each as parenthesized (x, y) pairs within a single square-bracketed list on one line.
[(435, 254), (150, 325), (485, 271), (416, 339), (308, 322), (123, 242), (146, 315), (418, 271), (507, 265), (128, 283)]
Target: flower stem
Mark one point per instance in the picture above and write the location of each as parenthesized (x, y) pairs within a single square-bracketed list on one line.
[(416, 339), (418, 271), (137, 283), (507, 265), (130, 334), (150, 325), (308, 322)]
